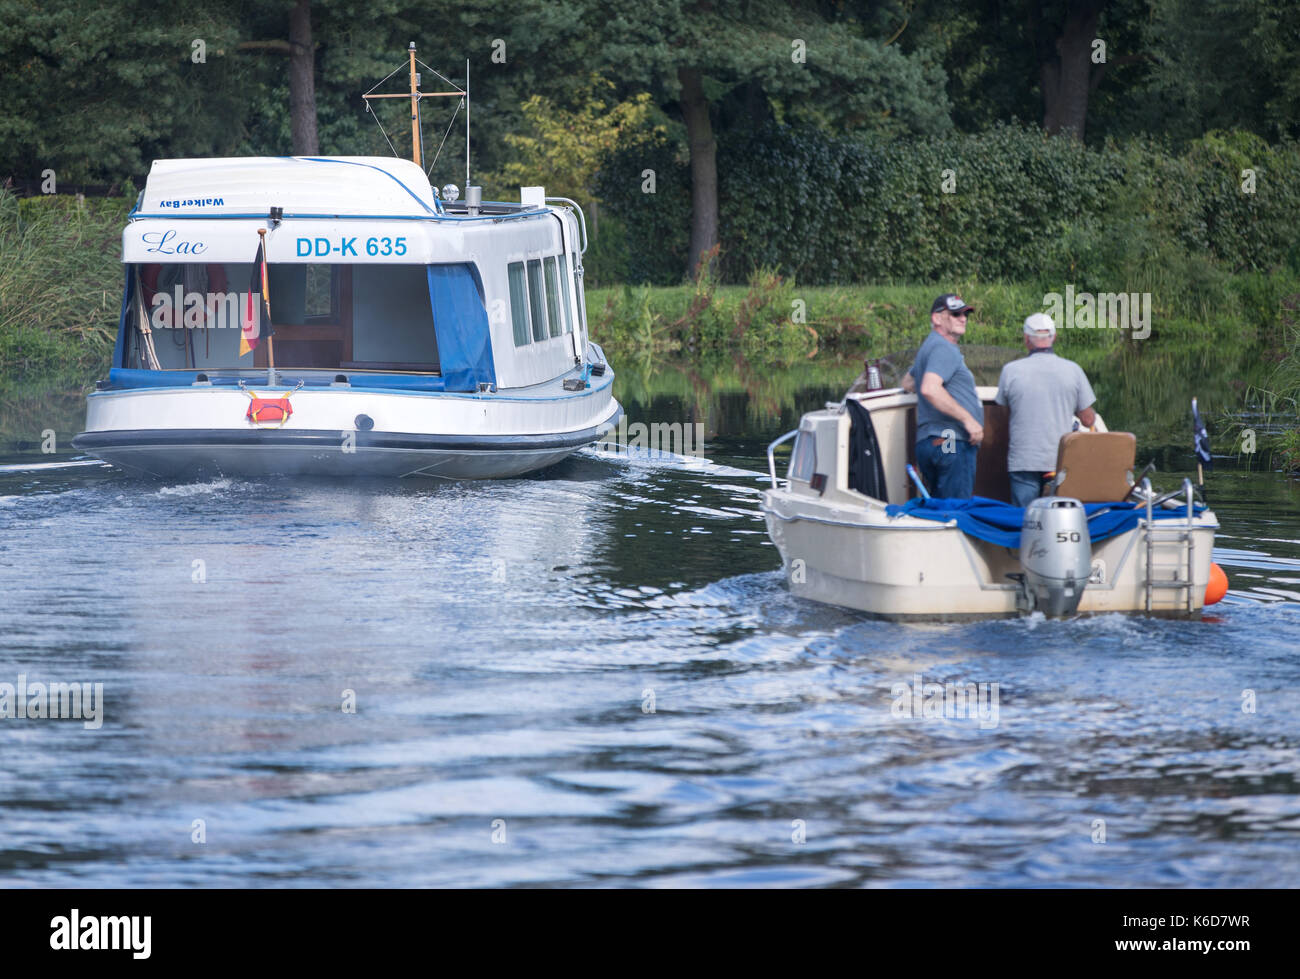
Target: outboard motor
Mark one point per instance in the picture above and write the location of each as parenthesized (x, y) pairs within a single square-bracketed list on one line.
[(1056, 554)]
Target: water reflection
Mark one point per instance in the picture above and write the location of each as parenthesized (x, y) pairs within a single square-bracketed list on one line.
[(1140, 389)]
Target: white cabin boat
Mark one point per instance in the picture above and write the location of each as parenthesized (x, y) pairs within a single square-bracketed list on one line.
[(879, 553), (411, 334)]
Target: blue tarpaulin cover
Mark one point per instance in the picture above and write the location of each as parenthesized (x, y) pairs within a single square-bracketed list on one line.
[(1000, 523), (461, 324)]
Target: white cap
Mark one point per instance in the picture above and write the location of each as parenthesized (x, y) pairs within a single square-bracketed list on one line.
[(1039, 325)]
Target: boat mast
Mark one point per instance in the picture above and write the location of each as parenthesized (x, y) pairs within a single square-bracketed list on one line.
[(415, 111), (415, 95)]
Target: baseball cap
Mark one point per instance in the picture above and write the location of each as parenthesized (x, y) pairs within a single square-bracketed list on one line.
[(950, 302), (1039, 325)]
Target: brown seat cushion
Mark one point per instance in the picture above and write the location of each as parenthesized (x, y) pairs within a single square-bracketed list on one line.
[(1095, 467)]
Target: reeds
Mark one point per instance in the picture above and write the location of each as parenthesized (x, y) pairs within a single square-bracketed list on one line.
[(60, 280)]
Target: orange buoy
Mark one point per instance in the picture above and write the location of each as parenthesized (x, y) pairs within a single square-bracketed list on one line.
[(1217, 586)]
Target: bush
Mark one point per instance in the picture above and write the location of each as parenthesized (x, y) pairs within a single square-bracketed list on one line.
[(1023, 206), (757, 323), (58, 253), (658, 224)]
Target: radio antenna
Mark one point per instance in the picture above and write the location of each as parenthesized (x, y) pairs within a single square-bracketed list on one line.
[(467, 127)]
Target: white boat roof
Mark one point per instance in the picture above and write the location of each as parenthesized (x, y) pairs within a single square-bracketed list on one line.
[(323, 185)]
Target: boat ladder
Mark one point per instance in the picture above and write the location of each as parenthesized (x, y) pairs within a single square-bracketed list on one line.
[(1166, 570)]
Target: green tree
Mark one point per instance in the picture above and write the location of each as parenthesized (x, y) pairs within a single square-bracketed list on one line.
[(1219, 64), (301, 52), (95, 92), (1027, 59), (804, 57), (564, 148)]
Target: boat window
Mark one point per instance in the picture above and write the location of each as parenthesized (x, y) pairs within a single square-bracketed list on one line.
[(537, 298), (392, 319), (803, 461), (519, 304), (553, 297), (194, 311), (348, 316), (567, 312), (303, 293), (321, 294)]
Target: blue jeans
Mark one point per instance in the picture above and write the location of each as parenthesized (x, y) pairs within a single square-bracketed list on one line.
[(1026, 486), (950, 475)]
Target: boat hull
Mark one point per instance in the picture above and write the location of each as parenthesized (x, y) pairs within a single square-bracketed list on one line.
[(232, 453), (186, 432), (908, 568)]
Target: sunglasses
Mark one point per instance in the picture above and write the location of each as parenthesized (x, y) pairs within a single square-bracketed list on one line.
[(963, 314)]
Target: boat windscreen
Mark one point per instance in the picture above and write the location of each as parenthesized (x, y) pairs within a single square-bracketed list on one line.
[(210, 316)]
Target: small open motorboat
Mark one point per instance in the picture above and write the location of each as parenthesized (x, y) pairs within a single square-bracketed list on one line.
[(852, 532), (386, 330)]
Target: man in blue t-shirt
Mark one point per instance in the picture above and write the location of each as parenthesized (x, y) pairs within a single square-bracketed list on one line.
[(949, 415)]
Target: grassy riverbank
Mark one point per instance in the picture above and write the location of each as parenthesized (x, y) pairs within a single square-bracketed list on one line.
[(774, 320)]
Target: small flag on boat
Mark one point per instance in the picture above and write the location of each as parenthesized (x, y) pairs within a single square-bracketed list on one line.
[(257, 311), (1202, 443)]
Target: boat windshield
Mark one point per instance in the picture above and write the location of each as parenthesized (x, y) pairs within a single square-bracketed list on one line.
[(351, 317)]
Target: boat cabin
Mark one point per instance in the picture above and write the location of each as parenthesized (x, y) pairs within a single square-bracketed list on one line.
[(368, 273)]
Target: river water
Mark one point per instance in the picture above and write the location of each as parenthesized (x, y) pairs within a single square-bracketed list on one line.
[(597, 677)]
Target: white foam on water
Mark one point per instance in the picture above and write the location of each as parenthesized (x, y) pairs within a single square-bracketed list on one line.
[(39, 466), (196, 489), (659, 458)]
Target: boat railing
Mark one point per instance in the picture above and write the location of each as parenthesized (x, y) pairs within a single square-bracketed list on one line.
[(581, 217), (771, 456)]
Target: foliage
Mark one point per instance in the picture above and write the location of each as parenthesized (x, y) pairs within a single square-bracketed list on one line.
[(1214, 64), (60, 281), (1243, 334), (657, 223), (843, 76), (825, 209), (562, 148), (757, 323), (95, 92), (1272, 418)]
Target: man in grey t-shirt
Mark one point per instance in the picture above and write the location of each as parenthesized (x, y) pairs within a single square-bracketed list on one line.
[(949, 415), (1045, 394)]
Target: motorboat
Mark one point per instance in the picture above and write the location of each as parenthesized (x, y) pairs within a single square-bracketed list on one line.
[(854, 529), (339, 315)]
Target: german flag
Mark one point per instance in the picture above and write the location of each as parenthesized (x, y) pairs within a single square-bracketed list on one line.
[(257, 318)]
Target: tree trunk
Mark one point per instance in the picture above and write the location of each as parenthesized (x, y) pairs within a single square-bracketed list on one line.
[(302, 81), (1067, 71), (704, 166)]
